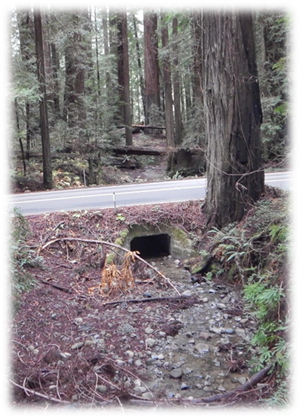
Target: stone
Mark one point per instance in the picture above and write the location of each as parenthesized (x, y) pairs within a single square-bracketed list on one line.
[(150, 342), (184, 386), (202, 348), (101, 388), (76, 346), (229, 331), (221, 306), (149, 330), (216, 330), (176, 373), (187, 293)]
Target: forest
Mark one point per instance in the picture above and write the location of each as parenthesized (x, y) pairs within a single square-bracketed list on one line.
[(103, 96), (107, 72)]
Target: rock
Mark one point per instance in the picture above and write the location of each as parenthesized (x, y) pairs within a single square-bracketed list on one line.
[(216, 330), (150, 342), (138, 363), (176, 373), (149, 330), (187, 293), (129, 353), (101, 388), (202, 348), (229, 331), (204, 335), (147, 395), (184, 386), (221, 306), (78, 321), (76, 346)]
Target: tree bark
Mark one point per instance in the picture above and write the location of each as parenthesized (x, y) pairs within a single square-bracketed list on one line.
[(166, 64), (233, 117), (123, 75), (152, 96), (176, 88), (47, 170)]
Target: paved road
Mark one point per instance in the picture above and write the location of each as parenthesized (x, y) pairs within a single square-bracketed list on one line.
[(125, 195)]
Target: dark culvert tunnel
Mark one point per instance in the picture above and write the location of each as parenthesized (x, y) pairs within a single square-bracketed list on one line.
[(152, 246)]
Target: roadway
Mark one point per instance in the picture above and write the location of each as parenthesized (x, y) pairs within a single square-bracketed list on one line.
[(101, 197)]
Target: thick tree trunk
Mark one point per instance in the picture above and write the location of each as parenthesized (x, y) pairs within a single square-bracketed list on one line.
[(176, 88), (233, 117), (47, 170), (166, 64), (152, 97)]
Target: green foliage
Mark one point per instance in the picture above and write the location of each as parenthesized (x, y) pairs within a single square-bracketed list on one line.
[(255, 254), (21, 255)]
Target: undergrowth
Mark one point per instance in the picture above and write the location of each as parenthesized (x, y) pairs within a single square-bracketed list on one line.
[(22, 256), (254, 254)]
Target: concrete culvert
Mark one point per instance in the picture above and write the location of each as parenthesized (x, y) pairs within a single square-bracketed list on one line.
[(152, 246)]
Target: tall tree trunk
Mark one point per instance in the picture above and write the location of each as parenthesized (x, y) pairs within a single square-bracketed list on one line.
[(123, 75), (166, 69), (233, 117), (138, 52), (152, 93), (47, 170), (176, 88), (25, 36)]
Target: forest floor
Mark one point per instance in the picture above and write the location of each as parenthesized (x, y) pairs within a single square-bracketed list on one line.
[(68, 171)]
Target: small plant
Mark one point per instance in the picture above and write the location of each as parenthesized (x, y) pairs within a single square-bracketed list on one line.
[(120, 217)]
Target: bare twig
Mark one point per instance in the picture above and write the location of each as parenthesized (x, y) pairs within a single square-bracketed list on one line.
[(41, 395)]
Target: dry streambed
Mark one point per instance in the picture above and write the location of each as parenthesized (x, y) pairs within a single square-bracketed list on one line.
[(83, 349)]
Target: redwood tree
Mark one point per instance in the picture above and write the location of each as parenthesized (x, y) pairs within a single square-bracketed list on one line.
[(233, 116), (152, 96), (47, 170)]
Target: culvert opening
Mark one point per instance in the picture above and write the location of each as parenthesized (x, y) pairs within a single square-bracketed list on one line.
[(152, 246)]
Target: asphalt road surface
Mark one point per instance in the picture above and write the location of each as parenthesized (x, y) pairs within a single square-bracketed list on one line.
[(125, 195)]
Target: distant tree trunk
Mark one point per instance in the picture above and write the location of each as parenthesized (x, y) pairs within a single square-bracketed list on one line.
[(166, 69), (25, 35), (138, 52), (152, 93), (123, 75), (233, 117), (197, 105), (47, 170), (176, 88)]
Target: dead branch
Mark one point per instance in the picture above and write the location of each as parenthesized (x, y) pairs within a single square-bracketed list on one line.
[(41, 395), (95, 241), (63, 289), (253, 381), (158, 299)]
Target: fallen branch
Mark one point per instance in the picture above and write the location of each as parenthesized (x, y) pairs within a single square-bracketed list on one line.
[(254, 380), (63, 289), (95, 241), (41, 395), (158, 299)]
